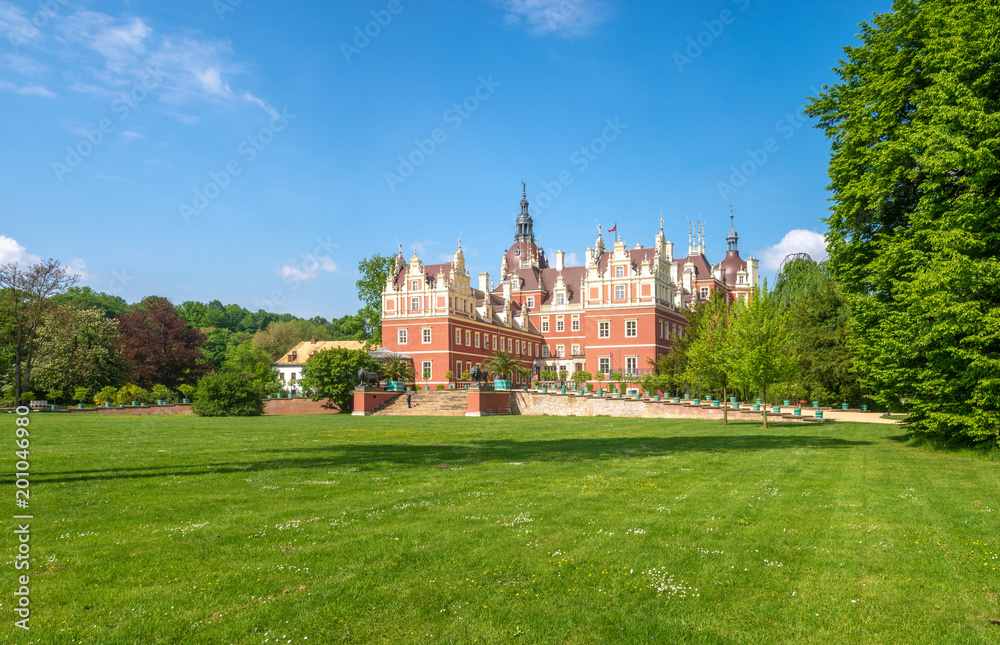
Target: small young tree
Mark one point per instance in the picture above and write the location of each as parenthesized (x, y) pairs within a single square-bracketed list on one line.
[(448, 376), (710, 358), (186, 390), (599, 377), (762, 345), (80, 394), (105, 395), (161, 392), (563, 375), (617, 377), (581, 378), (55, 395)]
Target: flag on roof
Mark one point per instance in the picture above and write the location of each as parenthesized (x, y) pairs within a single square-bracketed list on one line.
[(613, 228)]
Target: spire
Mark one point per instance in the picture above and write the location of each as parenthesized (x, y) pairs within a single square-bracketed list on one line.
[(525, 232), (732, 238)]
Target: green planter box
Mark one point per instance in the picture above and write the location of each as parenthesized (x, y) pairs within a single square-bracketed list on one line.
[(797, 412), (776, 409), (600, 391), (677, 399), (687, 396), (819, 414), (732, 399), (392, 386), (759, 401), (843, 406), (79, 406), (715, 403), (618, 395), (186, 401), (656, 397), (501, 385), (786, 402), (637, 396), (815, 404), (736, 406), (697, 401), (864, 408), (708, 398), (756, 406)]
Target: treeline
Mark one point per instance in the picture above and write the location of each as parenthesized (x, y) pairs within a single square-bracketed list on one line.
[(64, 343)]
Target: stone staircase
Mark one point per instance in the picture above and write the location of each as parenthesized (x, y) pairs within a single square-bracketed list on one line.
[(429, 403)]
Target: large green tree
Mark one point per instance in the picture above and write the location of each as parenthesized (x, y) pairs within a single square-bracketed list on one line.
[(78, 349), (914, 234), (332, 374), (86, 298), (374, 270), (281, 336), (26, 294)]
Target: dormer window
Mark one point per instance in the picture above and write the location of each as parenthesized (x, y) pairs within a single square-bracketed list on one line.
[(619, 272), (560, 298), (292, 356), (517, 251), (415, 285)]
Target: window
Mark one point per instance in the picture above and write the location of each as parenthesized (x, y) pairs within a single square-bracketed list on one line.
[(531, 302), (517, 251), (631, 365), (415, 285), (545, 324), (517, 347), (468, 338), (426, 334), (740, 279), (631, 329), (560, 298), (401, 334), (477, 339), (292, 377), (575, 325), (619, 272), (545, 351), (486, 341), (458, 370), (281, 376), (560, 326), (560, 350), (619, 292), (495, 346), (425, 371), (604, 365), (414, 304), (576, 350), (704, 293), (604, 329), (536, 350)]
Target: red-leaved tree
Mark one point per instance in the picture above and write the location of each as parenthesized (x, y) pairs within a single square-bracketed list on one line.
[(160, 346)]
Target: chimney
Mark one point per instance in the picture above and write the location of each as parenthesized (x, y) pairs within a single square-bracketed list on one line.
[(484, 282), (506, 290), (314, 341), (560, 260)]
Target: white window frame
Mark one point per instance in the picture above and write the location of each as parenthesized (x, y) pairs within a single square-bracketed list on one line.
[(546, 352), (560, 324), (560, 351), (545, 324), (560, 298), (631, 329), (531, 302), (604, 329), (415, 303), (604, 365), (704, 292), (458, 336), (477, 339), (427, 367), (619, 272), (468, 338), (575, 324), (401, 336), (620, 292), (576, 350), (632, 365), (425, 335)]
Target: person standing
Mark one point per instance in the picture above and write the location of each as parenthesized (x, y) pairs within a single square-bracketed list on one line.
[(408, 400)]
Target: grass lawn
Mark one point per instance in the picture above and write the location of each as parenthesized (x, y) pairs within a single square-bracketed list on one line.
[(329, 529)]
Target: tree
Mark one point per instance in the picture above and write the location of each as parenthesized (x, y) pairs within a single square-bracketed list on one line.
[(159, 345), (80, 394), (87, 298), (78, 348), (914, 233), (105, 395), (672, 366), (374, 270), (254, 364), (281, 336), (332, 373), (25, 294), (227, 393), (761, 345), (710, 358), (581, 377)]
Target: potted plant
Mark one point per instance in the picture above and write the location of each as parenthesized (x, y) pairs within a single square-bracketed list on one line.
[(397, 372), (467, 376), (450, 376), (581, 378), (618, 378), (80, 395), (502, 365), (187, 391), (599, 376)]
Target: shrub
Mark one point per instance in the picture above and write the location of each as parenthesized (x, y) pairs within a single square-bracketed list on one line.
[(80, 394), (440, 386), (227, 394), (129, 393), (187, 391), (55, 395), (27, 397)]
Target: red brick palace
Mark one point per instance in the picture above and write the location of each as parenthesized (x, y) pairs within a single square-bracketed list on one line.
[(614, 313)]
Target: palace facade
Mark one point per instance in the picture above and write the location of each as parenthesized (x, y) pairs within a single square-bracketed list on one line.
[(616, 312)]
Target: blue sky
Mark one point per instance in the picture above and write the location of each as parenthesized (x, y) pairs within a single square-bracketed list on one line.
[(254, 152)]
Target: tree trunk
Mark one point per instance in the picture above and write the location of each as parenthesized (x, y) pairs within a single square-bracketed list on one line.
[(764, 406), (725, 408)]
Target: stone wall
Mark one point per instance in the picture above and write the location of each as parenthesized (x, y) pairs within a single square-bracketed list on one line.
[(563, 405), (487, 403)]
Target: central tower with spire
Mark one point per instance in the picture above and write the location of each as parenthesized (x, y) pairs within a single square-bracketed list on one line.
[(525, 232)]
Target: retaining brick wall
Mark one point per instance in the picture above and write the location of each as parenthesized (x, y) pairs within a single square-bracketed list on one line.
[(563, 405)]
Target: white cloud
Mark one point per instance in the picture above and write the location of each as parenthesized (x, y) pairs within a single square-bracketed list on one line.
[(12, 252), (567, 18), (247, 96), (28, 90), (795, 241), (308, 269)]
